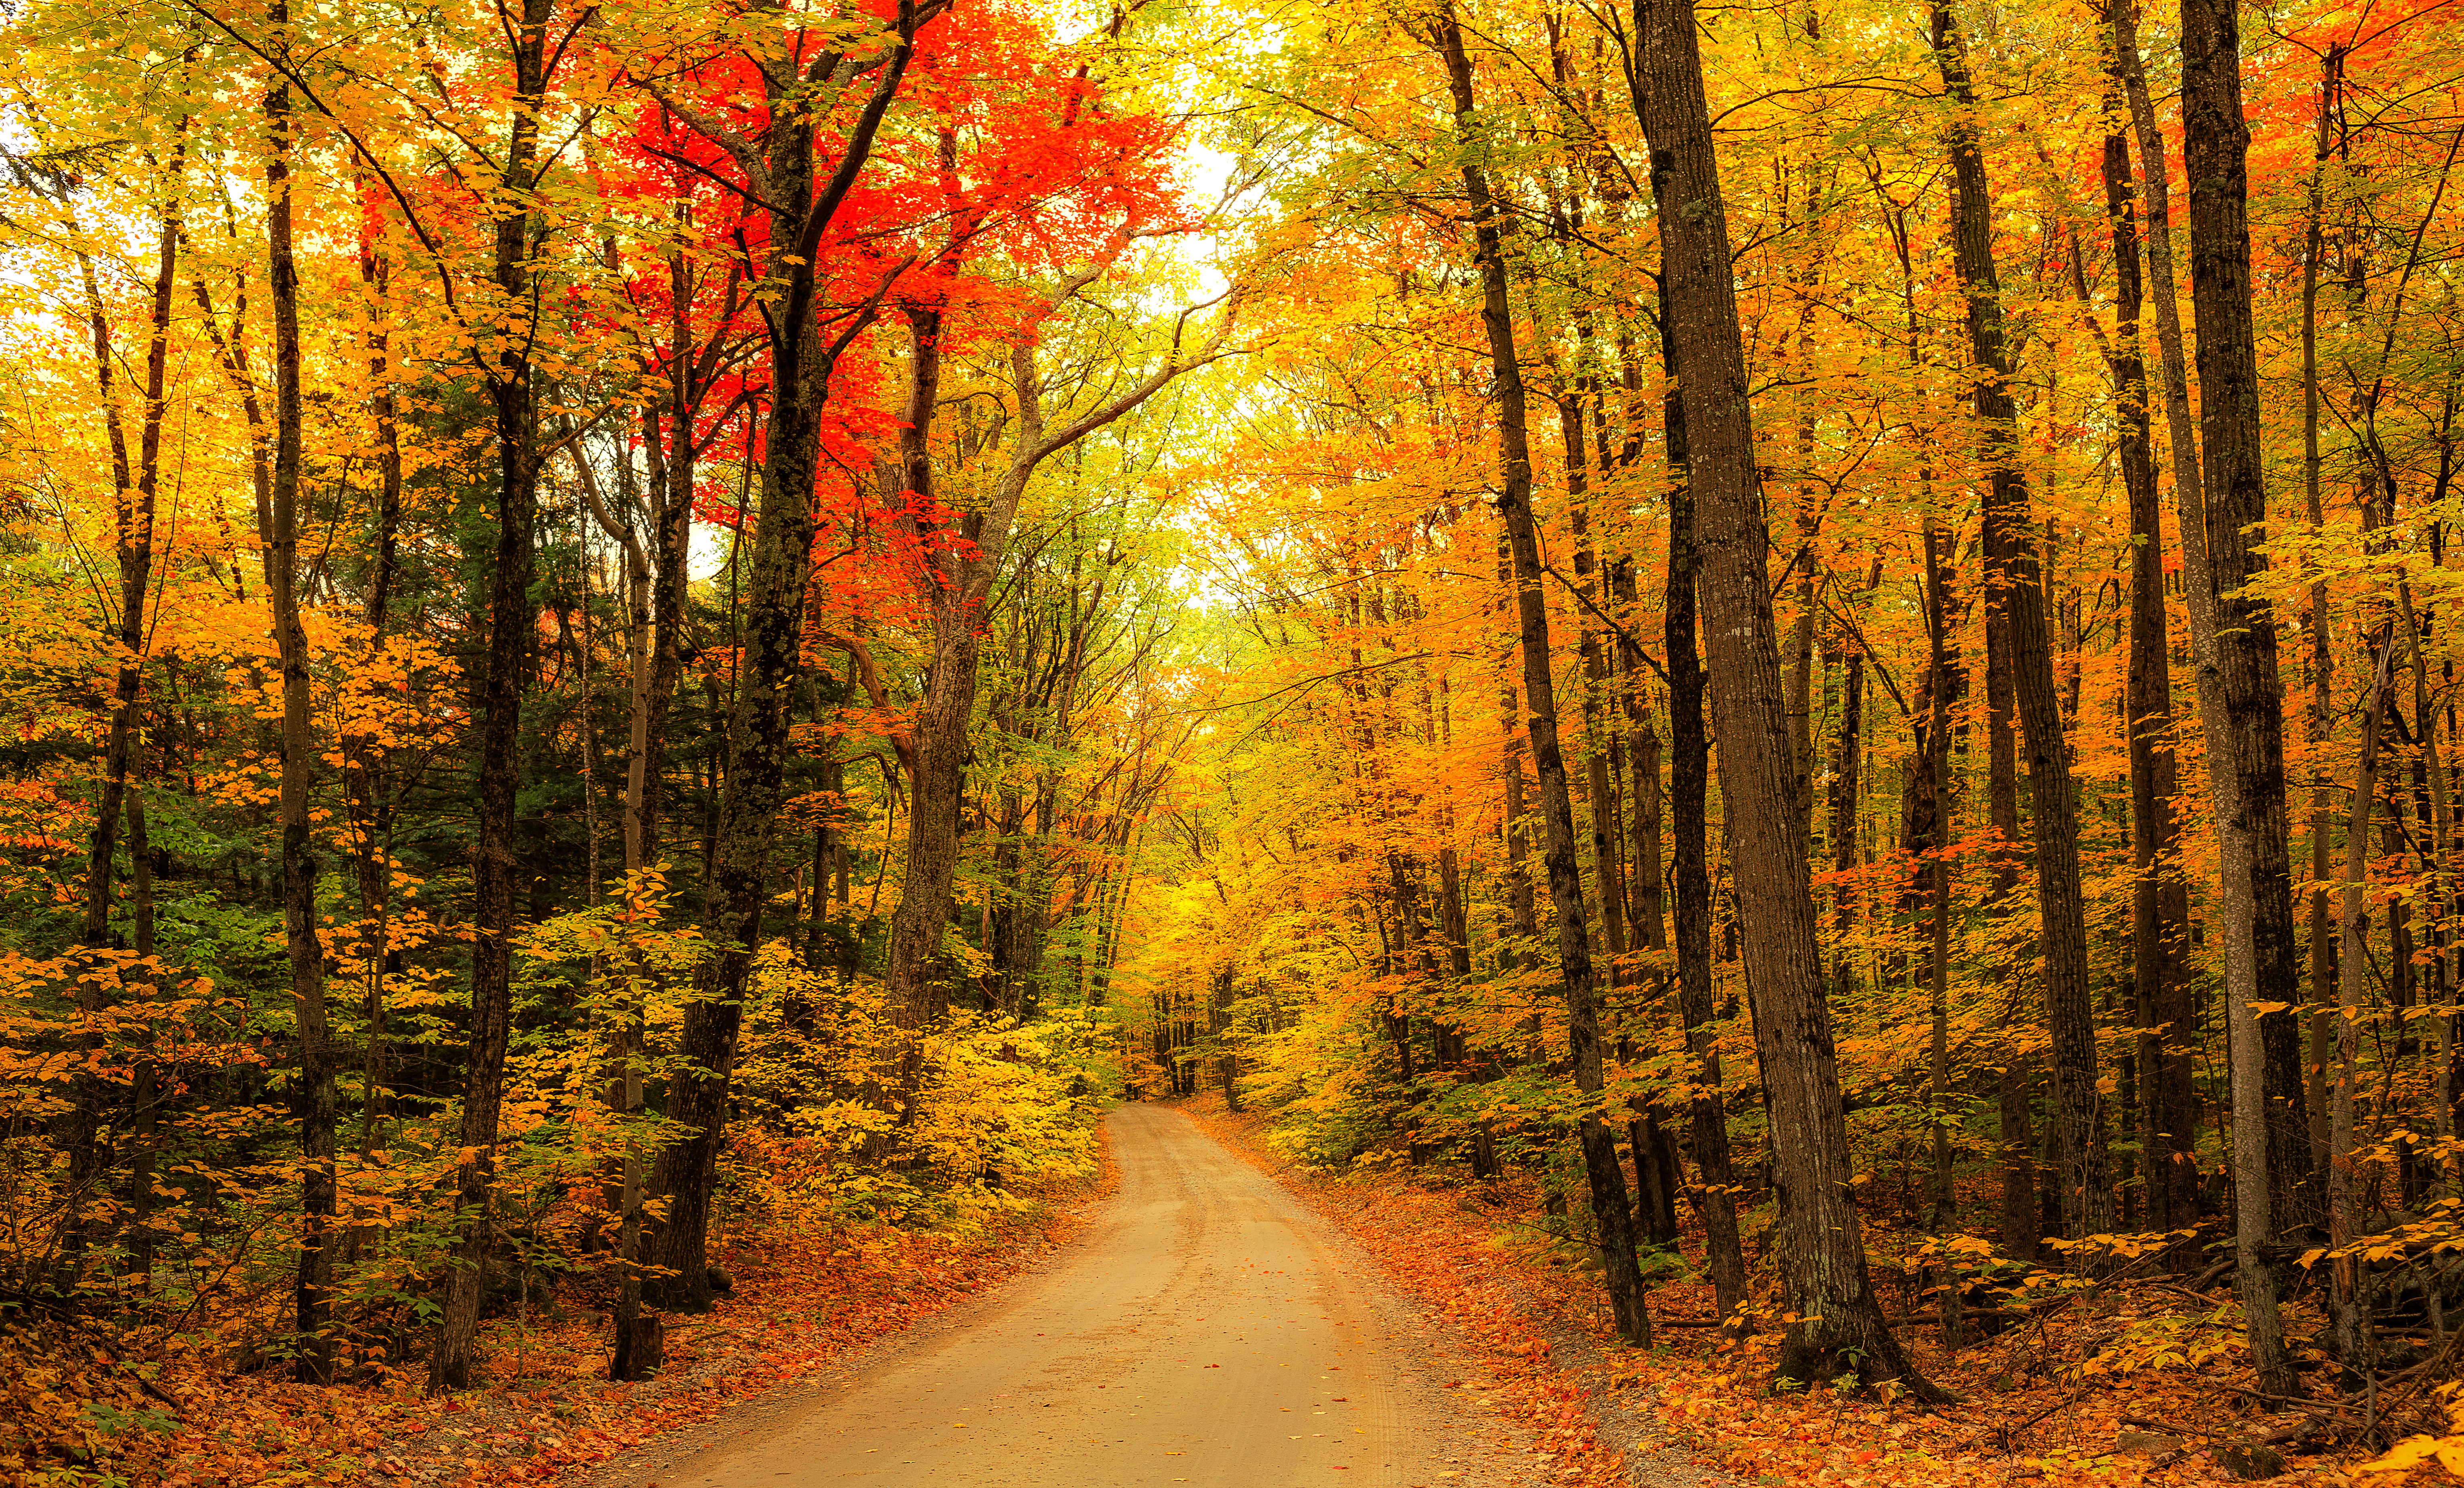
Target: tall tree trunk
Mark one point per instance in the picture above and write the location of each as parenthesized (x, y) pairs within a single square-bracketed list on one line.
[(2346, 1312), (2016, 583), (1927, 834), (1649, 898), (2434, 778), (670, 498), (2252, 1162), (1796, 677), (632, 1347), (1944, 1218), (1608, 845), (1714, 1198), (1519, 896), (1218, 1025), (2322, 658), (2021, 1228), (1454, 923), (2239, 699), (2162, 997), (1600, 1161), (146, 1079), (312, 1285), (497, 700), (364, 755), (1836, 1323), (134, 486), (771, 647), (939, 730), (1847, 786)]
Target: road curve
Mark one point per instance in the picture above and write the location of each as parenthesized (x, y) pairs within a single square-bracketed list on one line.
[(1206, 1329)]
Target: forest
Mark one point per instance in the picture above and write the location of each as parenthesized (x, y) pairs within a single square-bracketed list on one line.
[(1801, 653)]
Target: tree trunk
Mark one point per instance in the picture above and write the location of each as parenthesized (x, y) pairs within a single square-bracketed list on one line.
[(146, 1079), (2434, 777), (939, 733), (1649, 899), (364, 755), (1656, 1178), (1715, 1197), (2239, 697), (2323, 660), (1519, 896), (1847, 787), (2347, 1324), (497, 700), (134, 485), (631, 1352), (1607, 843), (770, 658), (1600, 1161), (2016, 583), (670, 498), (1945, 1219), (1218, 1025), (314, 1097), (2014, 1083), (2163, 999), (1836, 1321)]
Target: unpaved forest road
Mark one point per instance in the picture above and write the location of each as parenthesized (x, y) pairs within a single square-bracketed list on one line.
[(1206, 1329)]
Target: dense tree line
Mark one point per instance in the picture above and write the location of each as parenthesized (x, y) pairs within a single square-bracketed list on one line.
[(690, 479), (1763, 723)]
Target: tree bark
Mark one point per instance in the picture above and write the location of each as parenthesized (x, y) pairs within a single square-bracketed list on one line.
[(1714, 1198), (1599, 734), (2239, 699), (134, 485), (497, 700), (1847, 787), (629, 1354), (771, 654), (364, 756), (2023, 1228), (670, 498), (1649, 898), (1838, 1324), (2322, 658), (2163, 999), (146, 1079), (2346, 1323), (1600, 1161), (2016, 584), (1520, 899), (314, 1098)]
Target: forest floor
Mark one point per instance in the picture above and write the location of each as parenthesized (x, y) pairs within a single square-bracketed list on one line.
[(184, 1418), (2055, 1401)]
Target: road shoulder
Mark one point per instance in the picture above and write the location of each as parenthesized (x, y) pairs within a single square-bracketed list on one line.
[(760, 1410), (1539, 1365)]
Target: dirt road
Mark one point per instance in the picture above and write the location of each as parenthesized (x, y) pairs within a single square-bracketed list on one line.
[(1206, 1329)]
